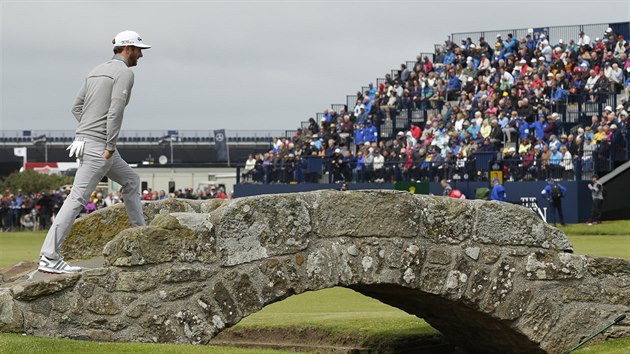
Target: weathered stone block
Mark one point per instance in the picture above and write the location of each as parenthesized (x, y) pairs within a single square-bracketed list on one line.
[(38, 288)]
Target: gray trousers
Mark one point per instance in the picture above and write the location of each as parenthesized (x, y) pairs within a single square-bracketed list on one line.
[(91, 170)]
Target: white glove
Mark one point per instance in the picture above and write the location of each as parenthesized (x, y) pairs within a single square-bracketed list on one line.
[(76, 148)]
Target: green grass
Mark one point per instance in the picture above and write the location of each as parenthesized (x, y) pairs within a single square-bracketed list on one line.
[(609, 239), (598, 245), (19, 344), (338, 311), (617, 346), (20, 246), (617, 227)]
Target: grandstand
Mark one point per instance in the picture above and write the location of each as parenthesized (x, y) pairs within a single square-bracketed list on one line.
[(512, 76), (524, 104)]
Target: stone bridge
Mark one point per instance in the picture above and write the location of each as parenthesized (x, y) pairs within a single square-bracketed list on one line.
[(492, 277)]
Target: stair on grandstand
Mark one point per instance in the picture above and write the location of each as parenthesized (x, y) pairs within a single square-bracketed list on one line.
[(617, 200)]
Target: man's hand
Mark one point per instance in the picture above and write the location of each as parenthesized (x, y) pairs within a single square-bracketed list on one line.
[(76, 148), (107, 154)]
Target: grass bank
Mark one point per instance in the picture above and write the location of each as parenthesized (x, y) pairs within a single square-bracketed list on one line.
[(19, 344)]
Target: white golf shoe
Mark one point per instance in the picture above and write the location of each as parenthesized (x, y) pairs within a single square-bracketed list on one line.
[(56, 266)]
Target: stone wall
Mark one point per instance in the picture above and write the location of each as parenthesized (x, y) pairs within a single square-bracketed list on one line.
[(492, 277)]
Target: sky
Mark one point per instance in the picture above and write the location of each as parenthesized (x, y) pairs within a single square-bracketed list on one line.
[(238, 65)]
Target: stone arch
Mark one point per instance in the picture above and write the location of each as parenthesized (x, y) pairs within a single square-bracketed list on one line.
[(492, 277)]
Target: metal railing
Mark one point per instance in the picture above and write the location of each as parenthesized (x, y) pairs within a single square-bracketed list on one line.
[(139, 136), (553, 33)]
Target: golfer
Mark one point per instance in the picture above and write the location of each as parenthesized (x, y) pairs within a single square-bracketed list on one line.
[(99, 109)]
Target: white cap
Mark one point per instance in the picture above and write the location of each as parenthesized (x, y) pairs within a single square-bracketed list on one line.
[(608, 108), (129, 38), (560, 41), (499, 35), (523, 61), (542, 35), (608, 30), (534, 60), (620, 106)]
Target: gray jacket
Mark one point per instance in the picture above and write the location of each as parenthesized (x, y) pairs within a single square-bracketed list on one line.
[(101, 102)]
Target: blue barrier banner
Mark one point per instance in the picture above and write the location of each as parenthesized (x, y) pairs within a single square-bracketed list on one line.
[(576, 205)]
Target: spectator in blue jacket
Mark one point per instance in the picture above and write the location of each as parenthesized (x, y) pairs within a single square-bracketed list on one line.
[(498, 191), (359, 139), (523, 128), (449, 58), (454, 85), (529, 43), (540, 126), (554, 192), (370, 133), (510, 44), (558, 94)]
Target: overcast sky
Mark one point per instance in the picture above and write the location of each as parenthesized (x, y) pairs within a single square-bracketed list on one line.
[(238, 64)]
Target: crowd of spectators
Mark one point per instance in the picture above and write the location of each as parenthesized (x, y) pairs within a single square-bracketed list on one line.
[(212, 192), (21, 211), (33, 212), (506, 98)]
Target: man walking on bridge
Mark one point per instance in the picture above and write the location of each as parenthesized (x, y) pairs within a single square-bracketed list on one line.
[(99, 109)]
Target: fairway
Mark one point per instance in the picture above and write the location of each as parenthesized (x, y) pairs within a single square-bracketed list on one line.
[(20, 246), (339, 315), (602, 245)]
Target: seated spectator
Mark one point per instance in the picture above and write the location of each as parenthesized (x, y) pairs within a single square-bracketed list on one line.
[(249, 170), (567, 163), (347, 131)]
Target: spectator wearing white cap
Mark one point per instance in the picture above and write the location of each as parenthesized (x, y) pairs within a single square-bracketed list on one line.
[(546, 51), (610, 38), (562, 45)]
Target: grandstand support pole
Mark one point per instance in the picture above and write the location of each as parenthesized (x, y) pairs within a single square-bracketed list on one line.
[(45, 151), (227, 146), (170, 140)]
